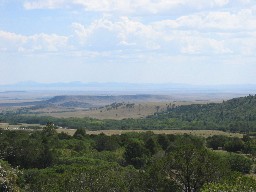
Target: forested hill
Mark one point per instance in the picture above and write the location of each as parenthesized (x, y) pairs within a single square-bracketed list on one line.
[(238, 114)]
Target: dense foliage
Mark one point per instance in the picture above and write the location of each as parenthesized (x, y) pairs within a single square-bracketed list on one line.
[(238, 114), (8, 177), (48, 161), (234, 184)]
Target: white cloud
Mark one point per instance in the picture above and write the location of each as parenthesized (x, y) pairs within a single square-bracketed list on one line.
[(201, 34), (243, 20), (212, 33), (106, 5), (124, 32), (45, 4), (12, 37), (125, 6), (38, 42), (81, 31)]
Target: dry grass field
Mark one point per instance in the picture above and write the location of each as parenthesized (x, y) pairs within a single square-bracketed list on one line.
[(201, 133), (138, 110), (17, 127)]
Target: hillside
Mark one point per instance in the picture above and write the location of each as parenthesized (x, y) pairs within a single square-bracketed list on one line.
[(89, 101), (238, 114), (107, 99)]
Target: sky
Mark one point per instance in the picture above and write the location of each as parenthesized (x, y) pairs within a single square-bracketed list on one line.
[(134, 41)]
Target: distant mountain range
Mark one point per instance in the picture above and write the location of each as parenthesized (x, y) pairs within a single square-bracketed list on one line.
[(140, 87)]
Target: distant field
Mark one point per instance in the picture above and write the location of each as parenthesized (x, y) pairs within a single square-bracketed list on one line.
[(202, 133), (138, 110), (17, 100), (15, 127)]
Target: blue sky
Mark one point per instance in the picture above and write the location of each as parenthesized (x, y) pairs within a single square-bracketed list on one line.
[(137, 41)]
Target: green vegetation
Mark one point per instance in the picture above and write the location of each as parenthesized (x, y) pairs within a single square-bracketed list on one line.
[(235, 115), (8, 177), (234, 184), (49, 161)]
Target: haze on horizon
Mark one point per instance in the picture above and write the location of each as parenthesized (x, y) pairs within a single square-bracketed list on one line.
[(144, 41)]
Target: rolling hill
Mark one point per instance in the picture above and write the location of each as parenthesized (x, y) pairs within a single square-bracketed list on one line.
[(89, 101)]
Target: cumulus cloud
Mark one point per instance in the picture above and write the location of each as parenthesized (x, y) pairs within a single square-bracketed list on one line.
[(215, 31), (116, 35), (244, 20), (38, 42), (204, 33)]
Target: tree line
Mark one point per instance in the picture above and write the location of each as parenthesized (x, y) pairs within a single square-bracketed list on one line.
[(236, 115)]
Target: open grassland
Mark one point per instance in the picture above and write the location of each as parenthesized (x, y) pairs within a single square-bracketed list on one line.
[(138, 110), (19, 126), (125, 110), (201, 133)]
